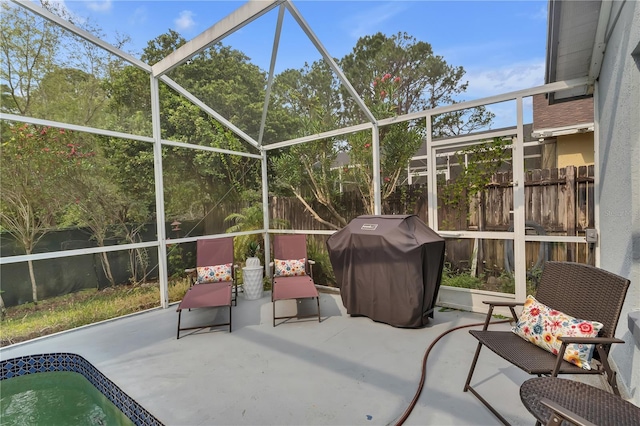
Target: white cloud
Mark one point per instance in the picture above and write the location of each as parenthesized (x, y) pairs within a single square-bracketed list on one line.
[(61, 9), (482, 52), (506, 113), (139, 16), (493, 81), (100, 5), (541, 15), (185, 21), (368, 22)]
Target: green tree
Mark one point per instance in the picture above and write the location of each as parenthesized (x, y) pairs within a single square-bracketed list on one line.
[(70, 95), (426, 80), (35, 167), (99, 205), (28, 44), (236, 90), (394, 75), (48, 72), (479, 163), (398, 143), (312, 96)]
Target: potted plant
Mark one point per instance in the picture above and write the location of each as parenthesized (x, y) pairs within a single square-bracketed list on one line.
[(253, 249), (252, 273)]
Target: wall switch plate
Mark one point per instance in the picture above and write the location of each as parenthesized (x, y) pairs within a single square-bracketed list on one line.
[(591, 235)]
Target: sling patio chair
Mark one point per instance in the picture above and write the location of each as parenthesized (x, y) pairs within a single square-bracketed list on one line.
[(213, 281), (575, 308), (209, 295), (212, 253), (292, 273)]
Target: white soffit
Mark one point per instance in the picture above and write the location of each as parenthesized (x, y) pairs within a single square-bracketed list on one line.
[(564, 130), (570, 44)]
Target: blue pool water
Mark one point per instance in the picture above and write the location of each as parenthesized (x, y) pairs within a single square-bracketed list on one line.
[(31, 386)]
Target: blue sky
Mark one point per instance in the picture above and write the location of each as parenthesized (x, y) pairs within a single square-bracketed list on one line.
[(500, 44)]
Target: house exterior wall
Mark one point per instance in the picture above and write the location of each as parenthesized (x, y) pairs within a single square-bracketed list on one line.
[(561, 114), (575, 150), (618, 157)]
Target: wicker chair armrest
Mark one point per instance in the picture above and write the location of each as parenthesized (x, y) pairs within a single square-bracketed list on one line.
[(589, 340), (311, 262), (190, 271), (502, 303), (560, 413)]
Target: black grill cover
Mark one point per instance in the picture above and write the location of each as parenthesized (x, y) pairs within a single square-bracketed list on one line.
[(388, 268)]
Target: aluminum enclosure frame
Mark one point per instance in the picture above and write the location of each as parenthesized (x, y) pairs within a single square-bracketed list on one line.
[(236, 20)]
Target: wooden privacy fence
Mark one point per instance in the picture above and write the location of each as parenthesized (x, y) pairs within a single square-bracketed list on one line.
[(557, 202)]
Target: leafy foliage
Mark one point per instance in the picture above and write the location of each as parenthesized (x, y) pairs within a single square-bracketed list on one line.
[(249, 219), (395, 75), (480, 162), (36, 166), (253, 249)]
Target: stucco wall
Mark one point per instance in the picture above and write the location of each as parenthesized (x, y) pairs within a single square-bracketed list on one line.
[(618, 106), (575, 150)]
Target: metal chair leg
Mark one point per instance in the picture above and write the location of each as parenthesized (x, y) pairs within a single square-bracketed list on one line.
[(468, 387), (473, 366), (178, 333)]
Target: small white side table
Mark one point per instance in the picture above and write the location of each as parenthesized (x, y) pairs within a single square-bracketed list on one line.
[(252, 282)]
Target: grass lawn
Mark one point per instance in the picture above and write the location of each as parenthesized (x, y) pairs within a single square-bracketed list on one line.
[(50, 316)]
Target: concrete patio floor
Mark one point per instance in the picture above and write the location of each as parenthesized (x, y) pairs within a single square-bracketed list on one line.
[(342, 371)]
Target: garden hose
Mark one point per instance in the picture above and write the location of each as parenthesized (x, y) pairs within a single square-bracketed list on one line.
[(423, 377)]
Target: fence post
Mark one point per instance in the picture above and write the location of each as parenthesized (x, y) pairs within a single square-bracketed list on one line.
[(570, 191)]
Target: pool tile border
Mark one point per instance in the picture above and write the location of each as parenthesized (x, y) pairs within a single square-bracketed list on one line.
[(32, 364)]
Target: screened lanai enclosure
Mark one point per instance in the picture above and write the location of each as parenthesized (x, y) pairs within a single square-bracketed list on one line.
[(113, 166)]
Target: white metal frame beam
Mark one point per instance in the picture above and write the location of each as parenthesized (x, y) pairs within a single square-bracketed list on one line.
[(163, 276), (75, 127), (319, 136), (547, 88), (245, 14), (272, 66), (204, 107), (325, 54), (70, 253)]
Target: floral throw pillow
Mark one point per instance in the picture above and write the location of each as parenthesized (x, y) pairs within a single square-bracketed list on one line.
[(289, 268), (542, 325), (214, 274)]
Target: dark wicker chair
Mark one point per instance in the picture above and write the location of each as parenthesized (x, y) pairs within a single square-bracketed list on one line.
[(581, 291), (555, 401)]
